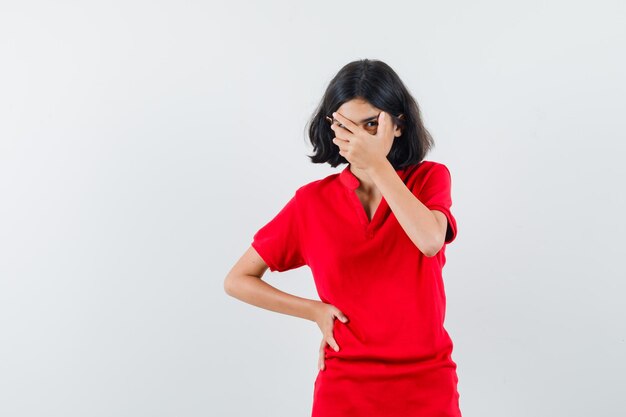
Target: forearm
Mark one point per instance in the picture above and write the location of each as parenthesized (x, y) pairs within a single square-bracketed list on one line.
[(253, 290), (419, 223)]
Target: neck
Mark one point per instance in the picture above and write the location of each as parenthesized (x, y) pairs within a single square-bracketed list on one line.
[(366, 184)]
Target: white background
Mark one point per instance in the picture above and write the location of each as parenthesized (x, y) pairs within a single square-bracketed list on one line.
[(143, 143)]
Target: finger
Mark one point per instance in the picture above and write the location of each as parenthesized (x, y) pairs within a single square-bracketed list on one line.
[(347, 123), (341, 317), (341, 132), (382, 123), (341, 143), (333, 343), (320, 360)]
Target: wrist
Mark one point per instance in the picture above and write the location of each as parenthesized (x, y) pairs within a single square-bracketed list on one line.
[(379, 167), (311, 309)]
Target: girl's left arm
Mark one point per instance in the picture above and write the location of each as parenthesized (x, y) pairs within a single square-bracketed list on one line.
[(426, 228)]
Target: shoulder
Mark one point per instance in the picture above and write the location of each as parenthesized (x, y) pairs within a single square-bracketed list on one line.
[(425, 168), (427, 173), (434, 168), (433, 165), (318, 187)]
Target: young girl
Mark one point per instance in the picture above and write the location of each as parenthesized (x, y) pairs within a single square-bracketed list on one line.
[(374, 236)]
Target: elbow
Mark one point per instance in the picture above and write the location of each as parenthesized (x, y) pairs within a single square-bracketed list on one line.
[(434, 248), (428, 243), (229, 286), (429, 250), (432, 253)]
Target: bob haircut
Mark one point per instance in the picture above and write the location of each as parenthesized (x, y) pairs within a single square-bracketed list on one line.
[(377, 83)]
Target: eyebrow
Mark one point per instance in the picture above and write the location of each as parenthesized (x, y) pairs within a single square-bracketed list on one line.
[(368, 119)]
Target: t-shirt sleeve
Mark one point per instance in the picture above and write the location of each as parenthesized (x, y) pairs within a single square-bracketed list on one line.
[(436, 195), (278, 242)]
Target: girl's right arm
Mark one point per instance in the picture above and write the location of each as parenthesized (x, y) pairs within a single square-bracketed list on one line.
[(244, 282)]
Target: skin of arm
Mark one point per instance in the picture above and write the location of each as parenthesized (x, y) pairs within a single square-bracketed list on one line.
[(426, 228), (244, 283)]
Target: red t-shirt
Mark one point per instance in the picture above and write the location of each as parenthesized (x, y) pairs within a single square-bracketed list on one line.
[(395, 354)]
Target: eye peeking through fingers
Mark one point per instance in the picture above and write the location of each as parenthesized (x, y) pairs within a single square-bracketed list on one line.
[(369, 126)]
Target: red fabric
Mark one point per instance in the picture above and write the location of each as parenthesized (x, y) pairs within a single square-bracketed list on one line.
[(395, 354)]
